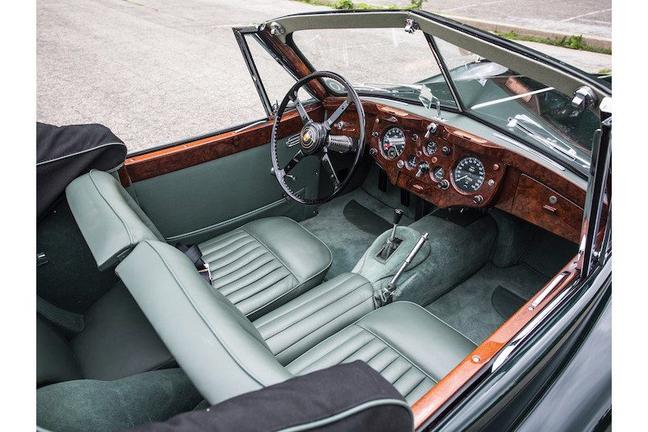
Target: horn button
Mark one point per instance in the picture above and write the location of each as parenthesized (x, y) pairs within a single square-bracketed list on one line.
[(312, 137)]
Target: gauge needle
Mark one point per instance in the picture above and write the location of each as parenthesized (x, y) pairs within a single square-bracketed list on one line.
[(462, 177)]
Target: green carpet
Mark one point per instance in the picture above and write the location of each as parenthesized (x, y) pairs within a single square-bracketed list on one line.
[(105, 406), (347, 234), (480, 304)]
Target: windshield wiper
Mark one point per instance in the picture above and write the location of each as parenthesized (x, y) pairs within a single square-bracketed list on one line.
[(535, 130)]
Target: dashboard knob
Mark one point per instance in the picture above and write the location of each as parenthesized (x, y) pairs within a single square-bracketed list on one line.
[(431, 128), (446, 150), (400, 163), (423, 168), (373, 151), (478, 199), (443, 184)]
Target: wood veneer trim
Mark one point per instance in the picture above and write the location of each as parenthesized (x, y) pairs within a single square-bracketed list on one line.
[(456, 379), (174, 158)]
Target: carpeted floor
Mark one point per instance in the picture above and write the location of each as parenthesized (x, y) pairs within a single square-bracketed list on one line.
[(348, 225), (479, 305)]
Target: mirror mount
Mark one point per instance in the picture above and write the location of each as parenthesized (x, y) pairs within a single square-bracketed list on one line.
[(428, 99)]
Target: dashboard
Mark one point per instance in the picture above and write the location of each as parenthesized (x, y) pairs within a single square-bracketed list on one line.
[(450, 167)]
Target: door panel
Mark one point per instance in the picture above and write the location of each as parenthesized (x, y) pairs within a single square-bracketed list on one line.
[(198, 202)]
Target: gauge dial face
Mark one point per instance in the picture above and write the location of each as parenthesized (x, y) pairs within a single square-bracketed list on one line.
[(469, 174), (430, 148), (393, 143), (438, 173)]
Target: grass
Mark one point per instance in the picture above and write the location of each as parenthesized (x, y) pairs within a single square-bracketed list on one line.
[(573, 42)]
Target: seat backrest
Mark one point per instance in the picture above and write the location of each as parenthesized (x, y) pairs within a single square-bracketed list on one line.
[(220, 350), (109, 218)]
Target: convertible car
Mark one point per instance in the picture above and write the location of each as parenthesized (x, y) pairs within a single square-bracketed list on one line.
[(425, 202)]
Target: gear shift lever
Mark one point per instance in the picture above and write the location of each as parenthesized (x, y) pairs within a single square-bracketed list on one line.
[(398, 215), (392, 242)]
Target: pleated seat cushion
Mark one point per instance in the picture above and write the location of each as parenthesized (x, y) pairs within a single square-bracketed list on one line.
[(265, 263), (406, 344)]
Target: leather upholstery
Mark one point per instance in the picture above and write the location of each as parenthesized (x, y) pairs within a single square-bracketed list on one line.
[(225, 355), (110, 220), (117, 341), (300, 324), (55, 360), (406, 344), (220, 350), (259, 266), (265, 263)]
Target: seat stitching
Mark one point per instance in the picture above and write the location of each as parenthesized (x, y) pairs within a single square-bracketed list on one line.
[(396, 350), (377, 354), (320, 308), (266, 274), (237, 246), (247, 271), (409, 368), (224, 240), (326, 354), (322, 325), (415, 386), (269, 250), (249, 256), (440, 320), (297, 306), (202, 317), (390, 363)]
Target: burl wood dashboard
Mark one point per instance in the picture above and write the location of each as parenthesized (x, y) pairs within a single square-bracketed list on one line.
[(450, 167)]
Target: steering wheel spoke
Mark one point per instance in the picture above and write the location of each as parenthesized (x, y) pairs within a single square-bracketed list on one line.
[(337, 114), (305, 118), (328, 165), (293, 162), (316, 139)]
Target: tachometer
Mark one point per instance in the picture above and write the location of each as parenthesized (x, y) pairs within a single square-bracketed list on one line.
[(469, 174), (393, 143)]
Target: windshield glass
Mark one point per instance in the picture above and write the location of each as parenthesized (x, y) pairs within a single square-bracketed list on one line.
[(379, 62), (533, 111)]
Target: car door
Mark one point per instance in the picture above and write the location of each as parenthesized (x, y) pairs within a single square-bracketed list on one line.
[(200, 187)]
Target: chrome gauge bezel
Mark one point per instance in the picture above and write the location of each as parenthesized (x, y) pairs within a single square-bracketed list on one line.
[(425, 148), (457, 175), (382, 143)]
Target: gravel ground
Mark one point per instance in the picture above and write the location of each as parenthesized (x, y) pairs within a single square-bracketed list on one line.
[(159, 71)]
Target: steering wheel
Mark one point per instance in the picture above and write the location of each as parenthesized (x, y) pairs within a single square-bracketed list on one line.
[(316, 139)]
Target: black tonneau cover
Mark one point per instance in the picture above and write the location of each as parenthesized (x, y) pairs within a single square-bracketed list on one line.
[(66, 152)]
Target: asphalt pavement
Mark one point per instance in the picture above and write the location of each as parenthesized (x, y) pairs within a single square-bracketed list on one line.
[(159, 71)]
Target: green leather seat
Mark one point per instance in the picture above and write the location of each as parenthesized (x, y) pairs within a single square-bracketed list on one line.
[(258, 266), (225, 355)]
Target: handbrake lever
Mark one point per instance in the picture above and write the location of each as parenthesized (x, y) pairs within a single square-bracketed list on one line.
[(386, 294)]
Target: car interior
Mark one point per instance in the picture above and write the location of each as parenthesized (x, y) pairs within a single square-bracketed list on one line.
[(355, 228)]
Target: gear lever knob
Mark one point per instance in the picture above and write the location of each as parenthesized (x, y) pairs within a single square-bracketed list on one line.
[(398, 214)]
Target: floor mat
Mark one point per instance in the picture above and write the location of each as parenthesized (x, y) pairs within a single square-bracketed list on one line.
[(365, 219), (469, 306)]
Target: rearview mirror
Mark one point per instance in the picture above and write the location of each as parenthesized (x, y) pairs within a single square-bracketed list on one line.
[(427, 99)]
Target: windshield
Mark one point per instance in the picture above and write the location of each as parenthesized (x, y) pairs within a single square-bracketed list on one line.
[(390, 62), (527, 108), (379, 62)]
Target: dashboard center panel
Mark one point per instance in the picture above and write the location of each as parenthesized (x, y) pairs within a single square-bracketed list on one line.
[(435, 162)]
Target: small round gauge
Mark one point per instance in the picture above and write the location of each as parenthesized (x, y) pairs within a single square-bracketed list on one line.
[(438, 173), (411, 162), (469, 174), (393, 143), (430, 148)]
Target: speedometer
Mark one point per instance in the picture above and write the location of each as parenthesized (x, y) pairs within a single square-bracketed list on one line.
[(469, 174), (393, 143)]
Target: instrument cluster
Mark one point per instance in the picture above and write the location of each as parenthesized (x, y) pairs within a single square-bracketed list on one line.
[(433, 161)]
